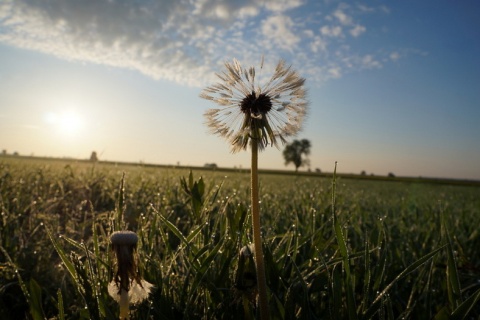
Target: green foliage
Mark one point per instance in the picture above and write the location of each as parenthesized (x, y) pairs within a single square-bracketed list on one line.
[(296, 151), (334, 248)]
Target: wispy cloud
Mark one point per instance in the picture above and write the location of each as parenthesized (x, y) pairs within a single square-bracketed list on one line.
[(185, 41), (342, 17), (357, 30), (278, 31), (331, 31), (394, 56)]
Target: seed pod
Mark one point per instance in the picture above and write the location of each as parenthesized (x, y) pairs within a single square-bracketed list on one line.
[(127, 285), (124, 244), (245, 277)]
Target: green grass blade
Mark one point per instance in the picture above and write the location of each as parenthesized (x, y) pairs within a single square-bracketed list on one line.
[(120, 205), (199, 274), (463, 309), (336, 281), (375, 305), (17, 273), (66, 261), (61, 310), (177, 232), (349, 282), (367, 275), (453, 283), (35, 302), (94, 282)]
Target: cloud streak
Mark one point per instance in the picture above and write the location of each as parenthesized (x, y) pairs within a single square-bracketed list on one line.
[(187, 41)]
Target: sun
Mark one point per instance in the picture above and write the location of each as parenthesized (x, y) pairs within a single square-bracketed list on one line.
[(68, 122)]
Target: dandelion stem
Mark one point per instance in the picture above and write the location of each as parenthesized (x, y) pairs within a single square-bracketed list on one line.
[(257, 240), (124, 309)]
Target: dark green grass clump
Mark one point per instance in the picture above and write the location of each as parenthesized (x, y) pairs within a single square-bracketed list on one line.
[(334, 249)]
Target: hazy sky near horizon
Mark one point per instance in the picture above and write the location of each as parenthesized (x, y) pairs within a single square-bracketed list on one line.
[(394, 86)]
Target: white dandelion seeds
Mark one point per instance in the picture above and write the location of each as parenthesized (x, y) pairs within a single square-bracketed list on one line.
[(269, 113)]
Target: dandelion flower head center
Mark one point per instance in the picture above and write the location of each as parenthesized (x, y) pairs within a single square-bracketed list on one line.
[(251, 104)]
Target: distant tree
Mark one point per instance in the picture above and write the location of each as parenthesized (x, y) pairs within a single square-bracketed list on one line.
[(16, 154), (93, 156), (296, 153), (4, 152), (363, 173), (211, 165), (317, 170), (391, 175)]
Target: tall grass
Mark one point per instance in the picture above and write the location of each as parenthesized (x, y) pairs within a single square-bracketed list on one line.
[(335, 248)]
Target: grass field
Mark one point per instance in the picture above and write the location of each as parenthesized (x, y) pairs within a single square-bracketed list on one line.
[(338, 248)]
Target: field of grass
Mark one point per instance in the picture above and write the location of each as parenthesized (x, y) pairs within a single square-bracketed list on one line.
[(334, 248)]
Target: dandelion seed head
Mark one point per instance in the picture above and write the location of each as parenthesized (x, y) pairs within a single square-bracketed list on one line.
[(124, 244), (268, 113)]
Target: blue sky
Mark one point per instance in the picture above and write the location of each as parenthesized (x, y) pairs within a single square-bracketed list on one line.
[(394, 86)]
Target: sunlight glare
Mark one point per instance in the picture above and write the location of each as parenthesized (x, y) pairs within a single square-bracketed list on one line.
[(67, 122)]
